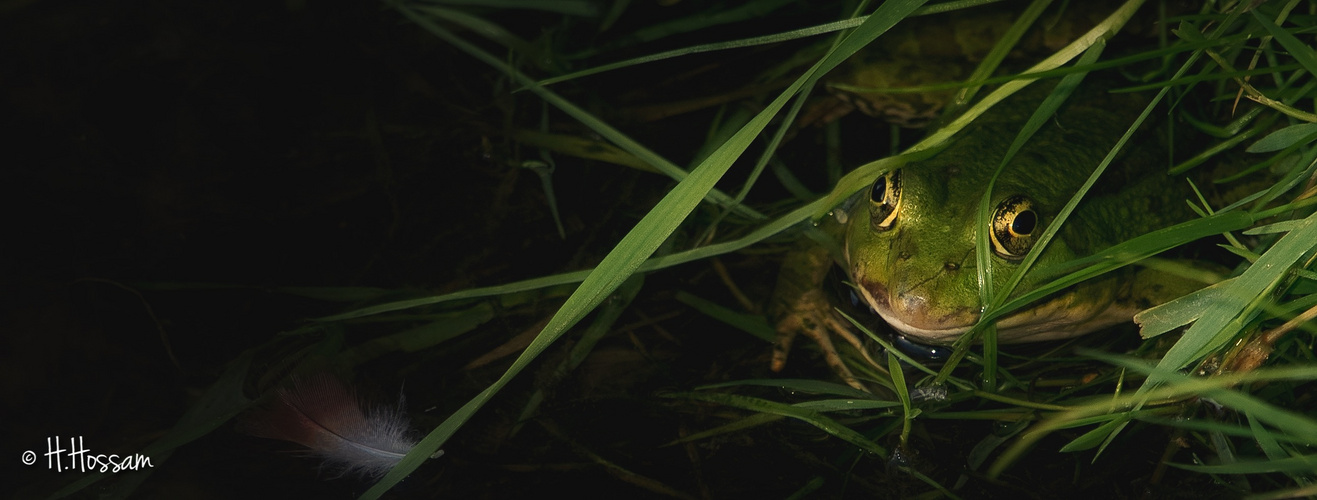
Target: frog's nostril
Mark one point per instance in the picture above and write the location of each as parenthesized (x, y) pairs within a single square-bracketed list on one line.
[(951, 266), (903, 256)]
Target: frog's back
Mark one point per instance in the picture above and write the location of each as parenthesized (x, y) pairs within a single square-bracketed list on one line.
[(1134, 195)]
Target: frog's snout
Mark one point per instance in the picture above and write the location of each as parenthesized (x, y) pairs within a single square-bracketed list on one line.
[(909, 304), (912, 311)]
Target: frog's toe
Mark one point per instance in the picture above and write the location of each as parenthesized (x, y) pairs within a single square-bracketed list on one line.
[(782, 346), (838, 366), (846, 331), (804, 316)]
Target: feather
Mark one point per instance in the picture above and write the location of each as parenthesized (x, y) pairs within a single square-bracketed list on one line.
[(322, 413)]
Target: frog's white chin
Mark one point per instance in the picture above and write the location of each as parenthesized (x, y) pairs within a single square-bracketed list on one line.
[(1052, 320), (940, 336)]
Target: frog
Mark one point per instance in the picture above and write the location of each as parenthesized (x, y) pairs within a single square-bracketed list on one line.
[(907, 244)]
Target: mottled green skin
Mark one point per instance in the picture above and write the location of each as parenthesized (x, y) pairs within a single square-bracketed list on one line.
[(920, 274), (930, 50)]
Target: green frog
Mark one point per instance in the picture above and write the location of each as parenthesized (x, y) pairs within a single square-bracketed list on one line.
[(907, 244)]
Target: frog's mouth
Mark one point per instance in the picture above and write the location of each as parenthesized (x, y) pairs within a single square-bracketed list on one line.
[(913, 319), (1063, 316)]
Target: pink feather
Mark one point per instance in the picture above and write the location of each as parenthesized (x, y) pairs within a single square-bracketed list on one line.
[(324, 414)]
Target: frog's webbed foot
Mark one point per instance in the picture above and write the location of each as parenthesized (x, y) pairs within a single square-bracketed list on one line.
[(812, 315)]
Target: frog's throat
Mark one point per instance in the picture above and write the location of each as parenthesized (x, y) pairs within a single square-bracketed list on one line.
[(878, 298), (1061, 317)]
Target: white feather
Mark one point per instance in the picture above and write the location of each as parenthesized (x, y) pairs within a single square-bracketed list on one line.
[(325, 415)]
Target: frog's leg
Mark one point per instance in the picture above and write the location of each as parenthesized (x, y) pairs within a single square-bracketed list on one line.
[(801, 306), (815, 319)]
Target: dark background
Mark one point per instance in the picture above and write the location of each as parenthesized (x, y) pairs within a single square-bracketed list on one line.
[(169, 164)]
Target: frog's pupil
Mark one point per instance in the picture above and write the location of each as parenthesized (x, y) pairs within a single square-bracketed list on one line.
[(879, 192), (1024, 223)]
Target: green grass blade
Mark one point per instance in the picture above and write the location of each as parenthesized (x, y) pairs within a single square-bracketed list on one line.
[(602, 323), (888, 347), (1303, 464), (802, 385), (492, 32), (1284, 226), (776, 226), (831, 405), (1255, 430), (1179, 312), (754, 324), (1302, 427), (428, 335), (749, 422), (1265, 439), (710, 47), (903, 394), (1001, 49), (1099, 435), (1297, 49), (1257, 280), (814, 418), (1302, 133), (702, 20)]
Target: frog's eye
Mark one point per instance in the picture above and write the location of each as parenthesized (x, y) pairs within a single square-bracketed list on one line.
[(1014, 227), (884, 199)]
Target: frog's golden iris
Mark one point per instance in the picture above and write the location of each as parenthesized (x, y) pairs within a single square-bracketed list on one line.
[(885, 200), (1013, 226)]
